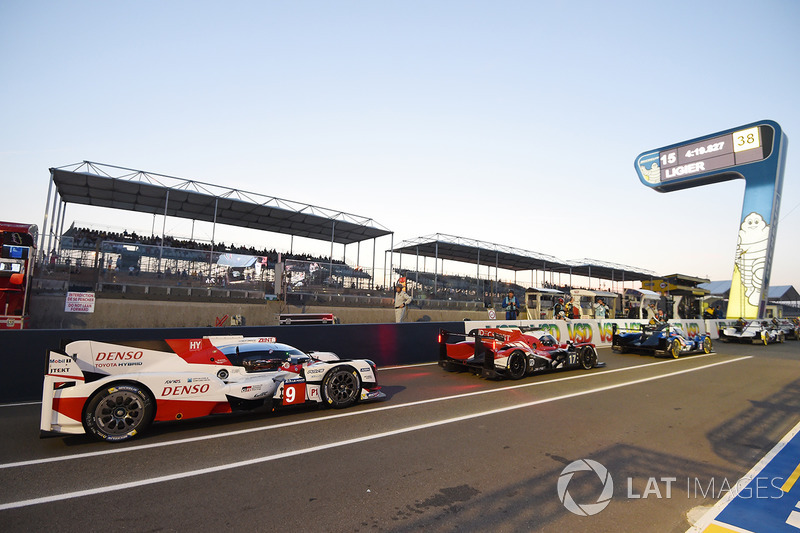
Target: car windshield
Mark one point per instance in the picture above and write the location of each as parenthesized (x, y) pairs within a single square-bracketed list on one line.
[(548, 340), (260, 357), (678, 331)]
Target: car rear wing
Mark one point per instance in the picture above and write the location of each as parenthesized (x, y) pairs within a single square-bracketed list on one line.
[(616, 328), (480, 348), (637, 328)]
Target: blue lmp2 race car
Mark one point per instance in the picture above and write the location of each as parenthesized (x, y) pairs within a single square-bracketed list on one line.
[(663, 338)]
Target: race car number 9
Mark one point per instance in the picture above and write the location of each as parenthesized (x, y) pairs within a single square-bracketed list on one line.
[(294, 393)]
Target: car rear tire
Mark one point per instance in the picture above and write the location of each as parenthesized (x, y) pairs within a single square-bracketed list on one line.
[(118, 412), (675, 348), (341, 387), (517, 365), (707, 345), (588, 357)]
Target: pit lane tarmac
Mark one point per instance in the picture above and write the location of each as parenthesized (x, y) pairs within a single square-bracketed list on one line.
[(445, 451)]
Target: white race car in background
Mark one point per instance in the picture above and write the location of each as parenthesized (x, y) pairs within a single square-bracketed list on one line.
[(114, 391), (753, 331)]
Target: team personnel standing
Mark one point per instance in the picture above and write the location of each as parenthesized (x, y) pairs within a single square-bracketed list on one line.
[(511, 305), (600, 309), (401, 301), (558, 310)]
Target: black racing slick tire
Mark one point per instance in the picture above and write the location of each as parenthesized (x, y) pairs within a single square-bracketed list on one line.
[(341, 387), (707, 345), (517, 365), (675, 348), (588, 358), (118, 412)]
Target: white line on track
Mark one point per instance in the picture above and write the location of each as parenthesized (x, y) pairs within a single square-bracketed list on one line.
[(20, 404), (328, 417), (384, 368), (328, 446)]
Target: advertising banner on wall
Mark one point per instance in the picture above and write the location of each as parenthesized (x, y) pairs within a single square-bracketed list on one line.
[(598, 332)]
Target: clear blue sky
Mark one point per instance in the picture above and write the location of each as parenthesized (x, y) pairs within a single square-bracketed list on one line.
[(514, 122)]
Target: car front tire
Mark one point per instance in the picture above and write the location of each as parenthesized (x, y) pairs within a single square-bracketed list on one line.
[(707, 345), (341, 387), (588, 357), (675, 348)]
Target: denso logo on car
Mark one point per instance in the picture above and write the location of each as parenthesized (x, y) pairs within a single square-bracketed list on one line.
[(118, 356), (185, 390), (312, 371)]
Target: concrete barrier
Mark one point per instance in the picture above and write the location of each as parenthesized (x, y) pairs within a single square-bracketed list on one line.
[(197, 310)]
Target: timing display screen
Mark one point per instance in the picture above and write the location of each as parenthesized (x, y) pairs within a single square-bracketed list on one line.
[(743, 146)]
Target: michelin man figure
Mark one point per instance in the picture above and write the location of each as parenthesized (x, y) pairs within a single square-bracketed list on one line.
[(751, 254)]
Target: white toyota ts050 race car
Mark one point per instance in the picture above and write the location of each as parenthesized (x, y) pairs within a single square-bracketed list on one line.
[(114, 391)]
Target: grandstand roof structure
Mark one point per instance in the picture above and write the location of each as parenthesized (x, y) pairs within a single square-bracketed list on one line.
[(473, 251), (779, 293), (103, 185)]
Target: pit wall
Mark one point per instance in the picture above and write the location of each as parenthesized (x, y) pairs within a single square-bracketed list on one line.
[(47, 312), (599, 332)]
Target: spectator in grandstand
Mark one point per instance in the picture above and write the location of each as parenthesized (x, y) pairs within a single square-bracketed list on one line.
[(401, 301), (708, 314), (511, 305)]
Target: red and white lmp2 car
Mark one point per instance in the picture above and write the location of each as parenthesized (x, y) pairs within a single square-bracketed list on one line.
[(114, 391), (512, 353)]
